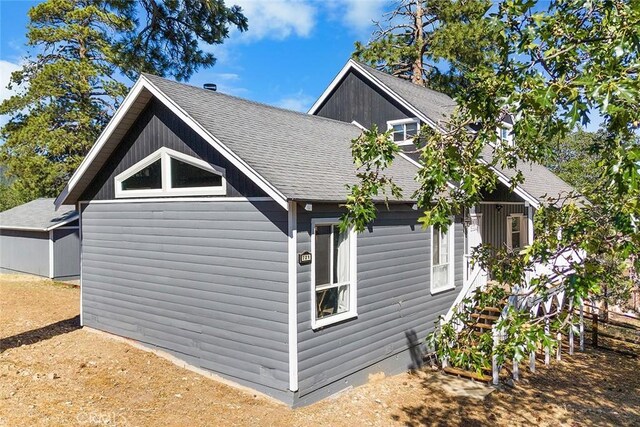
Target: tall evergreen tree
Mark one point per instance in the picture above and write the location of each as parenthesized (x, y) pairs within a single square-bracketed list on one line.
[(70, 89), (432, 43)]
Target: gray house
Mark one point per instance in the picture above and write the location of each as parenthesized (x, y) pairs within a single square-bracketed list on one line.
[(209, 230), (36, 239)]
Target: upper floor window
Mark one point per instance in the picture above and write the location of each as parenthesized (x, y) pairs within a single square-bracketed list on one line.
[(168, 172), (404, 130), (505, 133)]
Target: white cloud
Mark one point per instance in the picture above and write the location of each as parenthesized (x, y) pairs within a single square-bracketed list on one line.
[(6, 68), (360, 14), (296, 102), (277, 19)]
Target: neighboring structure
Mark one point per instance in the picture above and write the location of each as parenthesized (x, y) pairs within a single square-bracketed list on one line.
[(36, 239), (209, 230)]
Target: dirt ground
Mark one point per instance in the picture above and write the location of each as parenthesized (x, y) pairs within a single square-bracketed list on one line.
[(54, 373)]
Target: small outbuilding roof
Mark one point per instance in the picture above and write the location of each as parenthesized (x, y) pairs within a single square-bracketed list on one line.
[(37, 215)]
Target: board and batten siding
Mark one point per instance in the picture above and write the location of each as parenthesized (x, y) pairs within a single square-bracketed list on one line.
[(494, 222), (156, 127), (356, 99), (396, 309), (25, 251), (66, 252), (206, 281)]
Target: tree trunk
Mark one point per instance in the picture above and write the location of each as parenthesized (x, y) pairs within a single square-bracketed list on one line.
[(417, 68)]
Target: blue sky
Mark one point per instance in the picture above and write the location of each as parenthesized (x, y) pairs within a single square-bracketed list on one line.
[(289, 55), (292, 50)]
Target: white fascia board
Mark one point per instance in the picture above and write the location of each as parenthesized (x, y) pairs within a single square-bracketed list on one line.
[(131, 97), (144, 83), (518, 190)]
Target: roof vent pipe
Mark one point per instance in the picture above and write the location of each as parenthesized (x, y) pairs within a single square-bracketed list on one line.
[(210, 86)]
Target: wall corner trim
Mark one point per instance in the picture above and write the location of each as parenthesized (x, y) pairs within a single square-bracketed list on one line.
[(293, 295)]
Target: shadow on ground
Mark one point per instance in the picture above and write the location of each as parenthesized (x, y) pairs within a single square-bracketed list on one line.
[(40, 334), (594, 388)]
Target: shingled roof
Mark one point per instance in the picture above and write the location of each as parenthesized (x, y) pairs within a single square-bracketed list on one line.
[(539, 182), (37, 215), (435, 106), (304, 157)]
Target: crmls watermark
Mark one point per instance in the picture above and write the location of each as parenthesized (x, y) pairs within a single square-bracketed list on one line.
[(101, 418)]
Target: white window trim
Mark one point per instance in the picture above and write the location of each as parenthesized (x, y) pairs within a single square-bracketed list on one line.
[(524, 230), (452, 257), (164, 155), (392, 123), (353, 276), (509, 128)]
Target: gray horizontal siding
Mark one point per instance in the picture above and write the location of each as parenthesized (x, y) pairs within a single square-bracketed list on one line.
[(66, 253), (206, 281), (395, 306), (158, 127), (25, 251)]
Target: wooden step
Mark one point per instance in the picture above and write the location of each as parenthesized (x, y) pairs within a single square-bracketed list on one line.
[(484, 317), (467, 374), (488, 310), (480, 325)]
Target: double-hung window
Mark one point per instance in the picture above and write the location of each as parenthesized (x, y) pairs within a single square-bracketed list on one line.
[(442, 270), (517, 235), (333, 273), (403, 130), (167, 172)]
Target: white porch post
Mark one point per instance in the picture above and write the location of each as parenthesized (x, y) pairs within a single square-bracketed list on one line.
[(529, 222)]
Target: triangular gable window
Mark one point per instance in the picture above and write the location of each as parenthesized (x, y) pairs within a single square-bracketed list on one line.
[(169, 173), (148, 178)]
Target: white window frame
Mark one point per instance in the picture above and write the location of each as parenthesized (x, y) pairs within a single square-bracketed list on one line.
[(392, 123), (353, 276), (164, 155), (451, 232), (509, 129), (524, 230)]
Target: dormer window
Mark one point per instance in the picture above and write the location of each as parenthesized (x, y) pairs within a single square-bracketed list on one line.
[(167, 172), (403, 130), (505, 134)]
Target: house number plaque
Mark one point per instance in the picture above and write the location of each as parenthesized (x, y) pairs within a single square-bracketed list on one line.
[(304, 258)]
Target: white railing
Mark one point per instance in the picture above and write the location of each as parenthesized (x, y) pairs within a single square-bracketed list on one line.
[(477, 280)]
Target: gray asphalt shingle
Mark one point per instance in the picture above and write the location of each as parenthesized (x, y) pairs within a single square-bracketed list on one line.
[(539, 181), (39, 214), (305, 157)]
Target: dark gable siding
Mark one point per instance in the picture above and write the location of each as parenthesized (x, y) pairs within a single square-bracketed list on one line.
[(206, 281), (356, 99), (395, 306), (158, 127)]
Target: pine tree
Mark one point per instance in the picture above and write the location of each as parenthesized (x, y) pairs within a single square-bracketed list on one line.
[(431, 43), (72, 86)]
